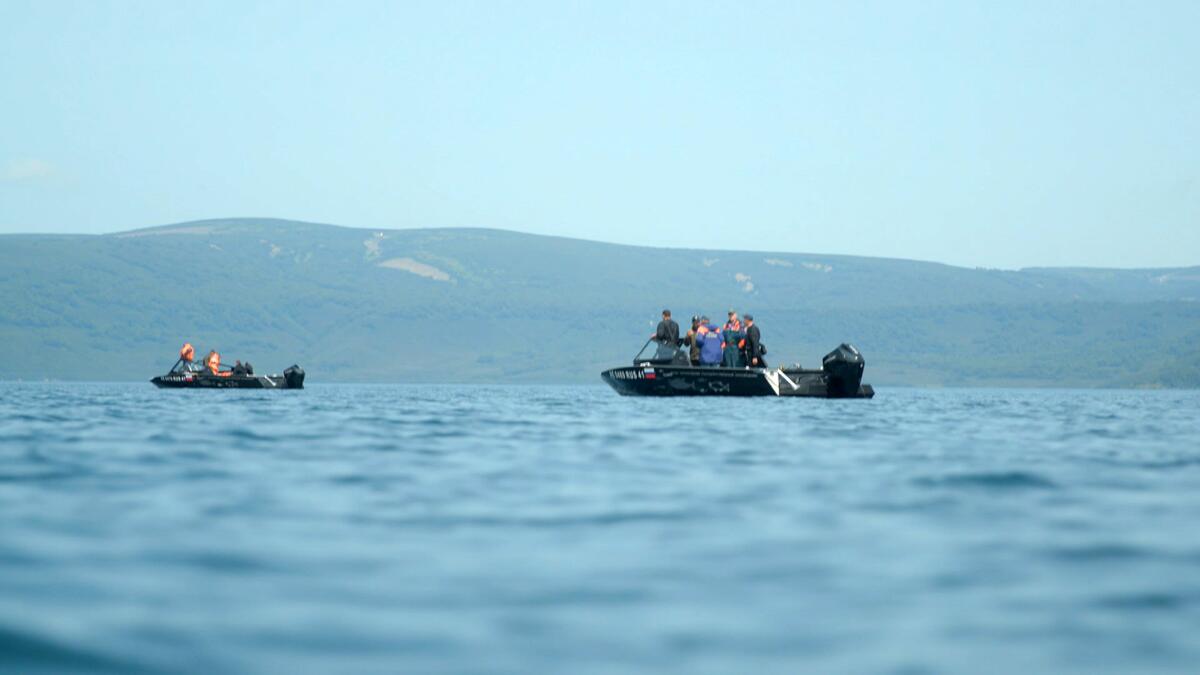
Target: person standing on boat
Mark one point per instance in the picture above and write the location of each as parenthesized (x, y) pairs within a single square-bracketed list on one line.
[(734, 341), (754, 346), (709, 341), (690, 340), (667, 332)]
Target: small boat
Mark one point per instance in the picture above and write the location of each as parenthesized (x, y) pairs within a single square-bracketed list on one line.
[(667, 371), (188, 378)]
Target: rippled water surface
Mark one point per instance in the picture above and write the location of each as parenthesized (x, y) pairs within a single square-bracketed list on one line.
[(558, 529)]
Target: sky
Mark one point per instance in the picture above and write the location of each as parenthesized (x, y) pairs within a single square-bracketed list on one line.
[(991, 134)]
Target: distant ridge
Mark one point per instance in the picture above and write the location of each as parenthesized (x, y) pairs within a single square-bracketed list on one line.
[(236, 223), (485, 305)]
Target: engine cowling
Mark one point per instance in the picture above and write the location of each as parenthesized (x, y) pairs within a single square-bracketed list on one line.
[(294, 376), (843, 371)]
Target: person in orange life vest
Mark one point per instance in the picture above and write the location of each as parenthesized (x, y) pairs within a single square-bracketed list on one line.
[(186, 355), (213, 361), (734, 341)]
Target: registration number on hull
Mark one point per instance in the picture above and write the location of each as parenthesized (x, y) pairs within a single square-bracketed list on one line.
[(177, 378), (633, 375)]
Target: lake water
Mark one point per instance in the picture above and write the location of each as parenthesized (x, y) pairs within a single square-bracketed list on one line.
[(406, 529)]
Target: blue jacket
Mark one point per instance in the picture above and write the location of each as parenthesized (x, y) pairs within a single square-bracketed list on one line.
[(710, 346)]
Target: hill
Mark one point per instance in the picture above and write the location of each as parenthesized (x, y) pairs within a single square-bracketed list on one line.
[(477, 305)]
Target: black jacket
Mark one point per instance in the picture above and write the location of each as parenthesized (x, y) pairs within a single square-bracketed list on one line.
[(753, 342), (693, 344), (667, 332)]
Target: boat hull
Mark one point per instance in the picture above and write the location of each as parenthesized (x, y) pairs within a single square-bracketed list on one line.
[(670, 380), (292, 378)]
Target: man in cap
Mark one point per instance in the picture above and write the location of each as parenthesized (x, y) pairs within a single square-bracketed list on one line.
[(667, 332), (734, 342), (754, 345)]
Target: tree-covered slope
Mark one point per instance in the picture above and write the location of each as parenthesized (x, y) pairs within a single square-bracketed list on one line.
[(488, 305)]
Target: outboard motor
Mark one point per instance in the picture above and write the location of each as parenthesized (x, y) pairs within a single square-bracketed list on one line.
[(294, 376), (843, 371)]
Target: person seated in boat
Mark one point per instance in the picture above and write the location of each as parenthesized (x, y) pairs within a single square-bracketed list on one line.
[(734, 341), (709, 341), (238, 369), (186, 363), (213, 363)]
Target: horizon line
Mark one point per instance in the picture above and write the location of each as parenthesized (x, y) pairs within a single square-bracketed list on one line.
[(264, 219)]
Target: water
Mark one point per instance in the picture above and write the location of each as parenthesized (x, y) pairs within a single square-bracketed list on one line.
[(556, 529)]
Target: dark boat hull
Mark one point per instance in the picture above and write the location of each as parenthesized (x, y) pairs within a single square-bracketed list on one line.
[(670, 380), (292, 378)]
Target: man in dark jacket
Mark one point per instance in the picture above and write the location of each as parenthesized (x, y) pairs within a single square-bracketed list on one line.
[(667, 332), (691, 342), (754, 348)]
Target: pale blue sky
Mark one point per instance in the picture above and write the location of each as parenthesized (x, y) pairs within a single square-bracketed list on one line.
[(999, 134)]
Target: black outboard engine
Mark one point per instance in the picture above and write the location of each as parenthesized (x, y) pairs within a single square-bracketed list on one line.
[(294, 376), (843, 371)]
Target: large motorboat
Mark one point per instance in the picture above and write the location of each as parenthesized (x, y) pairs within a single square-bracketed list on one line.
[(663, 369)]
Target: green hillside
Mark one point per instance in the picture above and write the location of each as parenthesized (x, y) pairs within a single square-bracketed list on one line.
[(489, 306)]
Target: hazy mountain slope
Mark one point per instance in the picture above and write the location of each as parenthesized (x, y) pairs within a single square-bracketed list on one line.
[(486, 305)]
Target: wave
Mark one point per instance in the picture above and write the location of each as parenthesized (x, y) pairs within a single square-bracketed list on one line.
[(28, 653), (997, 480)]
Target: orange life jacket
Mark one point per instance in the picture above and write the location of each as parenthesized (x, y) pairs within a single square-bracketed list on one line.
[(735, 326), (187, 353), (214, 365)]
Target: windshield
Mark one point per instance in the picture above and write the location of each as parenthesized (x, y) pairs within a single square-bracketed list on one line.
[(661, 353)]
